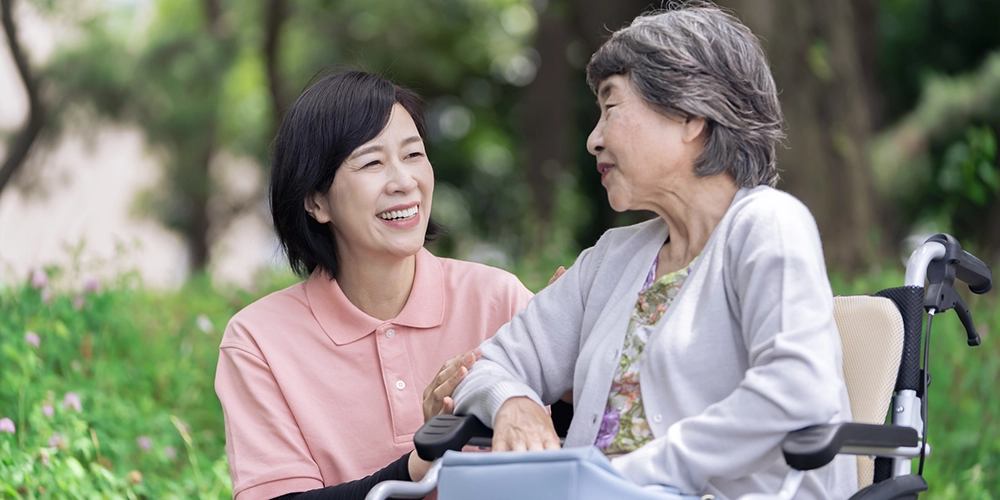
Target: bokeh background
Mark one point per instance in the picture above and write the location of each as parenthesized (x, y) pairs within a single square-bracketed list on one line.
[(134, 142)]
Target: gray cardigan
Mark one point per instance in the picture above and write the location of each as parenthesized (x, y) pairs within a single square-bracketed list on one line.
[(747, 352)]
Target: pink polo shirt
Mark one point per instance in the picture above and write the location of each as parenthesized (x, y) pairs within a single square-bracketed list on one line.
[(317, 393)]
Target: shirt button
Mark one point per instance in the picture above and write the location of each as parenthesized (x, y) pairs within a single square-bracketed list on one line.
[(657, 418), (400, 385), (391, 333)]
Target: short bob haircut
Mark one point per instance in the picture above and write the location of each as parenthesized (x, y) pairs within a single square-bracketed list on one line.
[(696, 60), (333, 117)]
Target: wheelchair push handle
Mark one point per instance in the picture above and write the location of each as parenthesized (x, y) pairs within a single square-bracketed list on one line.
[(951, 263), (449, 432), (967, 267)]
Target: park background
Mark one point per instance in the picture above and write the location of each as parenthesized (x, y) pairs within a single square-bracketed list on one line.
[(134, 141)]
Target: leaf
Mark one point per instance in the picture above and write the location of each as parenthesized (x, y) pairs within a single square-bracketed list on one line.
[(988, 174)]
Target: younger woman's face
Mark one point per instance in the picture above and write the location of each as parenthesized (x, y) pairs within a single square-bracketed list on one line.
[(380, 200)]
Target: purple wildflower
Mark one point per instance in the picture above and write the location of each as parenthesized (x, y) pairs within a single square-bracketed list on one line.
[(145, 444), (31, 338), (78, 302), (71, 400), (47, 410), (91, 285), (609, 429), (170, 452), (204, 324), (56, 440), (39, 279), (7, 425)]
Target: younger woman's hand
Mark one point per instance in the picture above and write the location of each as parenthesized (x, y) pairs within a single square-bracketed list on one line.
[(437, 395), (559, 272), (417, 466), (521, 425)]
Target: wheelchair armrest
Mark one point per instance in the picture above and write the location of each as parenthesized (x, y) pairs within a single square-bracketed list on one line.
[(816, 446), (448, 432)]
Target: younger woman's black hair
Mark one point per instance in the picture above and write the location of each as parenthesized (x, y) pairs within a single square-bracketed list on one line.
[(334, 116)]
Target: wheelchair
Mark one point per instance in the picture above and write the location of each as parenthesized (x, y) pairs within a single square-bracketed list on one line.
[(886, 379)]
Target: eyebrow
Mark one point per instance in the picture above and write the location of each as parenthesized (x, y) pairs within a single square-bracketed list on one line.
[(605, 90), (374, 148)]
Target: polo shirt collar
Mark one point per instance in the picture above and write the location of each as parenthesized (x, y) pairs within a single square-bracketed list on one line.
[(344, 323)]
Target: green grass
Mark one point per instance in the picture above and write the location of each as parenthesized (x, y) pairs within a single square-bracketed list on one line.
[(143, 362)]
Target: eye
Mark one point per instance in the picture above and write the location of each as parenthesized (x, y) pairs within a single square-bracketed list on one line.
[(609, 106), (415, 154), (371, 164)]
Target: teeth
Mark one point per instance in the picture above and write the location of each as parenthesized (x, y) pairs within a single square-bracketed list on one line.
[(399, 214)]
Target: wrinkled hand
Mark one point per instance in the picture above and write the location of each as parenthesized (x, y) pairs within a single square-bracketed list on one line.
[(437, 395), (559, 272), (522, 425)]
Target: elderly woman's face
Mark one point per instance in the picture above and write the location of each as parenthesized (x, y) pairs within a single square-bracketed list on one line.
[(380, 200), (642, 154)]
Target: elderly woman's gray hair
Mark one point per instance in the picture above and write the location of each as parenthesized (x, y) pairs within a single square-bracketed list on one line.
[(704, 62)]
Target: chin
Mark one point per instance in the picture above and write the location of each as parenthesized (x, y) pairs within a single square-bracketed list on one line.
[(410, 249), (617, 206)]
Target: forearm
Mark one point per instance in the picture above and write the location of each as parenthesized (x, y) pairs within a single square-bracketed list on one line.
[(357, 489)]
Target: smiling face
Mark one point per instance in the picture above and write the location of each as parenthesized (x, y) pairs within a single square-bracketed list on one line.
[(380, 200), (641, 153)]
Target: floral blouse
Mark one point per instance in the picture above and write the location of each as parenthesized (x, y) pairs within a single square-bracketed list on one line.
[(624, 427)]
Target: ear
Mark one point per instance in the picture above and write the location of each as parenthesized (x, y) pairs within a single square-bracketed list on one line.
[(694, 126), (316, 206)]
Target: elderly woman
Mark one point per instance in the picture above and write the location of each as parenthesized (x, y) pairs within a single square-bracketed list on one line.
[(322, 383), (695, 341)]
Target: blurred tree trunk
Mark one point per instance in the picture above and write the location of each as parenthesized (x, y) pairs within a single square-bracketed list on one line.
[(596, 20), (199, 238), (547, 117), (813, 48), (21, 145), (274, 20)]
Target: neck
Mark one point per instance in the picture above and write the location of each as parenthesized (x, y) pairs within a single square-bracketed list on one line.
[(691, 215), (379, 288)]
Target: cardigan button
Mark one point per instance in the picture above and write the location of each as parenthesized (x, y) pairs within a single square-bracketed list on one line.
[(657, 418), (390, 333), (400, 385)]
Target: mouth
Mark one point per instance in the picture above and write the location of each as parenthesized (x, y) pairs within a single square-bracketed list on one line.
[(399, 214), (604, 168)]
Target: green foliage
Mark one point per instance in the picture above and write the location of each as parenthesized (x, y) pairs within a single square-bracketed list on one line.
[(967, 173), (117, 399), (939, 164), (921, 38)]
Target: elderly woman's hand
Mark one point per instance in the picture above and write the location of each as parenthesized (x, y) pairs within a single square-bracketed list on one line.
[(437, 395), (522, 425)]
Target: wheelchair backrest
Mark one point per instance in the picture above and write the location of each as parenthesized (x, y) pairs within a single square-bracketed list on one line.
[(871, 332)]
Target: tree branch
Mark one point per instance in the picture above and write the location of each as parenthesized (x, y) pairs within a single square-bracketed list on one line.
[(21, 145), (213, 12), (277, 12)]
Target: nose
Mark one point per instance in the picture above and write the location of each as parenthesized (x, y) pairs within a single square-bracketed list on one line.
[(595, 141), (401, 179)]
